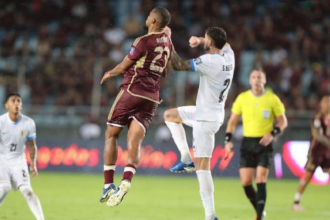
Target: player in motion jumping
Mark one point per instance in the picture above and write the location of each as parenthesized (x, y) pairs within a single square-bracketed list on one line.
[(216, 69), (16, 129), (136, 103), (319, 151)]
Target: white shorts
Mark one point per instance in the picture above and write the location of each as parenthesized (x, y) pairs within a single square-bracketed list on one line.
[(203, 131), (14, 176)]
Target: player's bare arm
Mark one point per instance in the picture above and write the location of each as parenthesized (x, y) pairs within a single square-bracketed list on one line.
[(178, 64), (167, 69), (119, 69), (317, 133), (282, 123), (231, 125), (33, 157)]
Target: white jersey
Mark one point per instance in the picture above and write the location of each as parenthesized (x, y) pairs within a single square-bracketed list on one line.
[(216, 74), (13, 136)]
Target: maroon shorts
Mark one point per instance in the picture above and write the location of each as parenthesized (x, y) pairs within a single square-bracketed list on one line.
[(318, 156), (128, 107)]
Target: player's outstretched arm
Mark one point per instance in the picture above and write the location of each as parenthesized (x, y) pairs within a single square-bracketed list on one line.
[(195, 41), (33, 157), (119, 69), (178, 64)]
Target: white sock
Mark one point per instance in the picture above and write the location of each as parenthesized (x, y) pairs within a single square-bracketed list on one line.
[(206, 189), (32, 201), (179, 137), (4, 190), (297, 197)]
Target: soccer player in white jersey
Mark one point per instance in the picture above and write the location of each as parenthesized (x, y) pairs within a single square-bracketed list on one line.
[(15, 130), (216, 72)]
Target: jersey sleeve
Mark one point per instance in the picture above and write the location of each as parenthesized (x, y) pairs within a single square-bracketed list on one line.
[(138, 49), (201, 64), (227, 50), (316, 122), (32, 134), (237, 106), (278, 106)]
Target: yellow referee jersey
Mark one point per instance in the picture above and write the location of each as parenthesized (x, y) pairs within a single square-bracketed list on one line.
[(258, 112)]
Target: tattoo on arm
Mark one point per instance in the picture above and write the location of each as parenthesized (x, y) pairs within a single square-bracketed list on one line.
[(33, 150), (179, 64)]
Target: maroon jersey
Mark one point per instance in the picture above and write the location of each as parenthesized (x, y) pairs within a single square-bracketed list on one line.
[(319, 154), (322, 124), (151, 53)]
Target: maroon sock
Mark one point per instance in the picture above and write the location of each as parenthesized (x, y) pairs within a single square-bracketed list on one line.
[(109, 172), (129, 172)]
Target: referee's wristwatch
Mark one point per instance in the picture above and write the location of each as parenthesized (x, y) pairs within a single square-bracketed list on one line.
[(228, 137), (275, 131)]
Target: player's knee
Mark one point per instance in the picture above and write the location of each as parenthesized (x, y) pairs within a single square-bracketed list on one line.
[(246, 182), (5, 188), (170, 115), (111, 135), (261, 179), (27, 192)]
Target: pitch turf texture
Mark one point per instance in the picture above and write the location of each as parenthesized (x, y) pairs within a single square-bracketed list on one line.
[(66, 196)]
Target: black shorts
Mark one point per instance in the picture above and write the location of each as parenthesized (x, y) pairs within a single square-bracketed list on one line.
[(253, 154)]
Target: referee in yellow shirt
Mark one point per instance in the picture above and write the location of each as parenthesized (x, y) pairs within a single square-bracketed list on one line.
[(259, 109)]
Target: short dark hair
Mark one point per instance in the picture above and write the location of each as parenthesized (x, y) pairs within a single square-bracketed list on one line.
[(164, 14), (218, 36), (12, 94)]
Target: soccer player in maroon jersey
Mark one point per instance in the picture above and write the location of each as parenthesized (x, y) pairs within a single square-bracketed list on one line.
[(147, 60), (319, 151)]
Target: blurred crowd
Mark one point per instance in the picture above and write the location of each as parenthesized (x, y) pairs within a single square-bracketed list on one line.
[(59, 48)]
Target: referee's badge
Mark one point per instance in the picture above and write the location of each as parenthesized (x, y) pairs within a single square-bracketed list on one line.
[(266, 114)]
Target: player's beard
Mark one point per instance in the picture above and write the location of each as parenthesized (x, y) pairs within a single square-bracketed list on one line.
[(206, 48), (145, 27)]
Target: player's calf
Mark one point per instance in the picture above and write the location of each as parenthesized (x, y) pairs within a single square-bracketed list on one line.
[(33, 201), (4, 190)]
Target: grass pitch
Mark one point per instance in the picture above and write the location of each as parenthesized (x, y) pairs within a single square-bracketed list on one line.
[(66, 196)]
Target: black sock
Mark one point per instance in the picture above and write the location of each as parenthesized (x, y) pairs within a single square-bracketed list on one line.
[(261, 199), (251, 194)]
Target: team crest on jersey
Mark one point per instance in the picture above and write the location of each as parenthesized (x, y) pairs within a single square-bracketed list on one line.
[(198, 61), (22, 133), (131, 51)]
